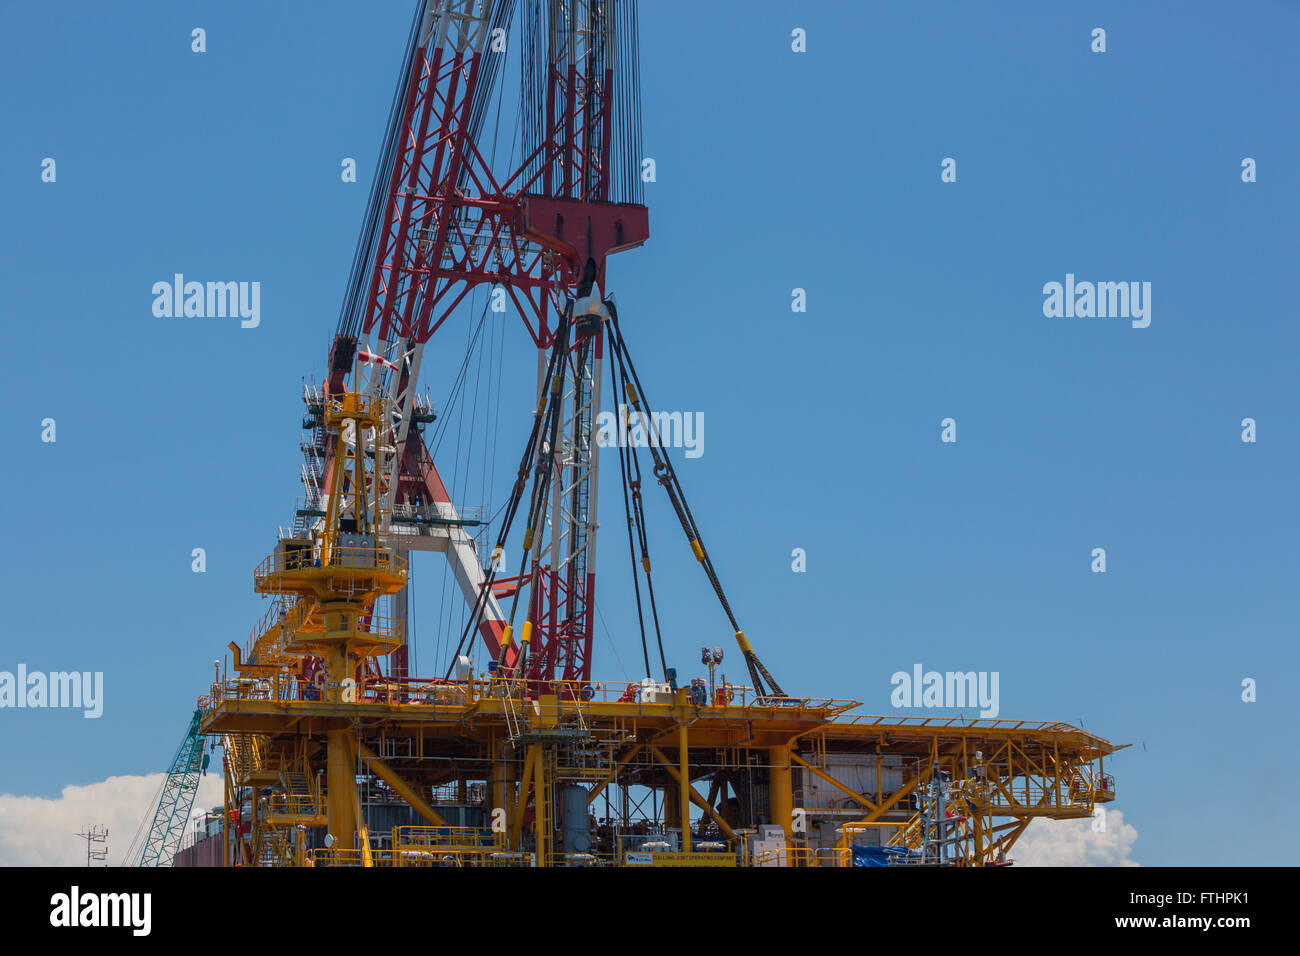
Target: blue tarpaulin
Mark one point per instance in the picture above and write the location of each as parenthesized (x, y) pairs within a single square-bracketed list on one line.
[(879, 855)]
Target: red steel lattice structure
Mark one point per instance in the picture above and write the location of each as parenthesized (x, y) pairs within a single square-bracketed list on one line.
[(541, 232), (451, 224)]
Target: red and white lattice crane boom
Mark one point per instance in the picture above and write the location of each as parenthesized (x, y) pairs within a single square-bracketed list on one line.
[(442, 222)]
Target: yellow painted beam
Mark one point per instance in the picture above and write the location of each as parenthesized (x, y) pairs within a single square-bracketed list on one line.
[(693, 793), (885, 807), (387, 774), (517, 824), (622, 762), (867, 804)]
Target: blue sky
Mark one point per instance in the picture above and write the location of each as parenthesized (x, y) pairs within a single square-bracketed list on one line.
[(775, 170)]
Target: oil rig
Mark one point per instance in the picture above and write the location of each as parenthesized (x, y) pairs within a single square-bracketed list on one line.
[(335, 754)]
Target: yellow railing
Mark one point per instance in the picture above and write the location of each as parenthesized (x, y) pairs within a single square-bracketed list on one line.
[(298, 803), (352, 620), (449, 846), (791, 856), (334, 856), (285, 616), (1087, 786), (244, 688), (355, 406), (624, 692), (378, 559), (972, 723), (246, 753), (408, 691), (420, 691)]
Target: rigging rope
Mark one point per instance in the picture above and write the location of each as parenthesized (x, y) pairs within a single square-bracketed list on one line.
[(667, 477), (363, 259), (538, 460), (533, 461), (633, 505)]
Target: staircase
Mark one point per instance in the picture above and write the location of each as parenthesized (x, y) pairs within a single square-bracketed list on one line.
[(298, 802)]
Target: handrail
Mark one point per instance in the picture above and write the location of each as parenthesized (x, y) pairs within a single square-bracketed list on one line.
[(341, 557)]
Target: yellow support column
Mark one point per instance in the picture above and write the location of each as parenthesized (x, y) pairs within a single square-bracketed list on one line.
[(254, 828), (517, 822), (781, 790), (363, 832), (497, 785), (225, 814), (341, 769), (541, 809), (404, 790), (684, 789), (340, 798)]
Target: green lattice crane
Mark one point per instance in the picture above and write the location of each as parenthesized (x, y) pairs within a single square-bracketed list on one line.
[(173, 810)]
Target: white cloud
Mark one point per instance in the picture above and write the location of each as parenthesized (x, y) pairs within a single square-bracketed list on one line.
[(1073, 843), (35, 831)]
